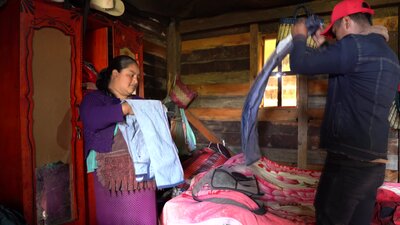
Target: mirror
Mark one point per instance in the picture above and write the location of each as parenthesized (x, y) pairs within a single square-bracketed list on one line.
[(51, 73)]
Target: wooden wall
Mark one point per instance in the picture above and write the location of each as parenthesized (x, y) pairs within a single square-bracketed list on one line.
[(154, 53), (155, 72), (389, 17), (217, 65), (220, 64)]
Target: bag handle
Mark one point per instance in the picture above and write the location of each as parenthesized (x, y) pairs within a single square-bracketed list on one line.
[(300, 7), (313, 22)]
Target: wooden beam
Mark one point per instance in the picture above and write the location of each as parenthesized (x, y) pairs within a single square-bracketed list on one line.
[(173, 53), (155, 39), (318, 87), (315, 114), (220, 54), (288, 157), (233, 77), (218, 102), (206, 43), (218, 114), (235, 114), (216, 33), (209, 135), (155, 49), (302, 126), (255, 51), (221, 89), (264, 114), (234, 19)]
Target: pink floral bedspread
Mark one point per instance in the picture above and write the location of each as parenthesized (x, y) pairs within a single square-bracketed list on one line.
[(289, 195)]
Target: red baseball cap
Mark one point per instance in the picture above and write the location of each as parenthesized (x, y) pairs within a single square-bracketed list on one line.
[(345, 8)]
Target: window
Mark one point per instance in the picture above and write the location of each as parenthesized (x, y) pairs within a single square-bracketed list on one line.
[(281, 89)]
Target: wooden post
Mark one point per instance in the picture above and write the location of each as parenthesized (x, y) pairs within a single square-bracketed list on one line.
[(201, 127), (302, 123), (255, 51), (173, 53)]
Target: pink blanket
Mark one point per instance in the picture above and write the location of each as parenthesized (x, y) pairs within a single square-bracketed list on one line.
[(183, 210), (289, 191), (289, 194)]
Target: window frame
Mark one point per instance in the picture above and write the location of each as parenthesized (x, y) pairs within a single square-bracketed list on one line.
[(284, 73)]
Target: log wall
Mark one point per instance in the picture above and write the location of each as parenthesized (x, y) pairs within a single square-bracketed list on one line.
[(154, 52), (218, 64)]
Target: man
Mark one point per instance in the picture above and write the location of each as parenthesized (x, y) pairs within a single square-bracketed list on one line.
[(364, 74)]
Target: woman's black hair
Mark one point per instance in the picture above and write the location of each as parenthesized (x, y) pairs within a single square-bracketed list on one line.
[(118, 63)]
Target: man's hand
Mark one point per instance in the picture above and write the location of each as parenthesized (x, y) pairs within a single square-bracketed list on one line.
[(299, 27), (318, 38), (378, 29)]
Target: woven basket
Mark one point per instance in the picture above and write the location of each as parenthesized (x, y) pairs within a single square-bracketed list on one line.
[(181, 95)]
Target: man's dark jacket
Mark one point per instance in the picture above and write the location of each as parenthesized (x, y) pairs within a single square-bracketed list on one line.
[(363, 78)]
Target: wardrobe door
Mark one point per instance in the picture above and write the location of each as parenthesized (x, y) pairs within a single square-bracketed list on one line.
[(51, 102), (128, 41)]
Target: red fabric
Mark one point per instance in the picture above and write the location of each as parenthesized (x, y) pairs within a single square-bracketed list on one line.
[(201, 161), (387, 207), (89, 73)]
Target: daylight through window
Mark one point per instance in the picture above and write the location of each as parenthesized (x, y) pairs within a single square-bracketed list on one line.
[(280, 90)]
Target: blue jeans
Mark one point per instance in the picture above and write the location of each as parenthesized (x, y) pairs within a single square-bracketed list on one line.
[(346, 191)]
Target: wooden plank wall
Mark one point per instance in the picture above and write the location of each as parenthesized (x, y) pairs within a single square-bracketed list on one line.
[(217, 63), (154, 54), (389, 18), (155, 72)]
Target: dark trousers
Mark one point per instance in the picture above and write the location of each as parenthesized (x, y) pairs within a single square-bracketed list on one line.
[(346, 191)]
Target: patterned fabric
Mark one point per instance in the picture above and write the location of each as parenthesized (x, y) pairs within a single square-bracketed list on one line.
[(288, 191), (201, 161), (288, 196), (387, 206), (116, 171)]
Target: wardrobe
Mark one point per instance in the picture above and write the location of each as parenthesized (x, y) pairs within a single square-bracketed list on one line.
[(43, 47)]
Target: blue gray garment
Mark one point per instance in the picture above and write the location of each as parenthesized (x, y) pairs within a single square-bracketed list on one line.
[(133, 135), (149, 140), (249, 131)]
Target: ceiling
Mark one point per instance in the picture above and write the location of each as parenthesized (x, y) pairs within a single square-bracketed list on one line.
[(190, 9)]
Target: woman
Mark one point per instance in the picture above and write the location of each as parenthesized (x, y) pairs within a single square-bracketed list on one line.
[(120, 199)]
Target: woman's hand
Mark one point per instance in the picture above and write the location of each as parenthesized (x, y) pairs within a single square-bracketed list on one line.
[(126, 109)]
